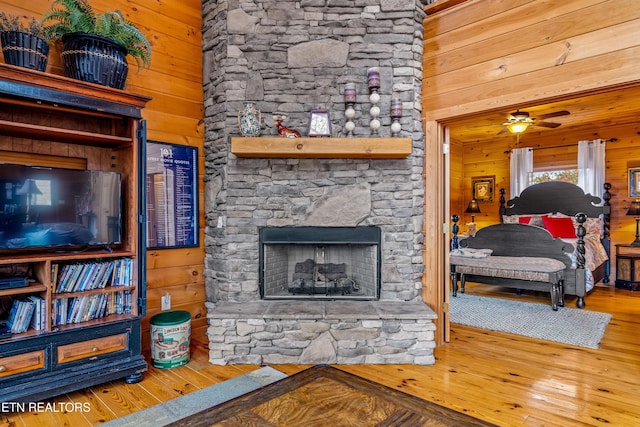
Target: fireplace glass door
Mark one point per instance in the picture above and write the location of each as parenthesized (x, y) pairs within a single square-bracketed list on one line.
[(320, 262)]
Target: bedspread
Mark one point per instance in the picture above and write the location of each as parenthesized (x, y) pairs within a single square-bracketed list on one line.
[(595, 255)]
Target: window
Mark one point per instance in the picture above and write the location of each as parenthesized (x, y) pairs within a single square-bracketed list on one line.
[(566, 175), (43, 198)]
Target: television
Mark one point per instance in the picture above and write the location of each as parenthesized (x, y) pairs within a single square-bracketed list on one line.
[(55, 209)]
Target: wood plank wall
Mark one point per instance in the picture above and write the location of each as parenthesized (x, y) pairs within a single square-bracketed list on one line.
[(174, 115), (483, 56)]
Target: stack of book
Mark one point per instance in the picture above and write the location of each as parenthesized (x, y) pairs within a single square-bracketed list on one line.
[(87, 307), (27, 312)]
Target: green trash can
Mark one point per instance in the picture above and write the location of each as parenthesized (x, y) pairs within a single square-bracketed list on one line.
[(170, 339)]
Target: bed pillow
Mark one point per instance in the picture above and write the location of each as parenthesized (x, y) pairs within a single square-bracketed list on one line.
[(510, 219), (537, 221), (524, 219), (559, 226)]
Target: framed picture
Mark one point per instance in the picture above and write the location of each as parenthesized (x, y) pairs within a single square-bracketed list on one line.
[(172, 195), (319, 123), (634, 182), (482, 188)]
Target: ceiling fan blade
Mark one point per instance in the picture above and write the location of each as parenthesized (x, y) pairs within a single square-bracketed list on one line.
[(555, 114), (547, 124), (502, 131)]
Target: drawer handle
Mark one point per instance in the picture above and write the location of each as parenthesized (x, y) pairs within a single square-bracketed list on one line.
[(94, 349), (3, 368)]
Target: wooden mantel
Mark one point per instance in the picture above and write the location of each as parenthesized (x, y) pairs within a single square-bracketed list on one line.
[(321, 148)]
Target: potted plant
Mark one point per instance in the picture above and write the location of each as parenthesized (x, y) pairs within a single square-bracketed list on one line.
[(95, 46), (24, 44)]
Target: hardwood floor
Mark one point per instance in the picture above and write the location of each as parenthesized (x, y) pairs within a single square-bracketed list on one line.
[(504, 379)]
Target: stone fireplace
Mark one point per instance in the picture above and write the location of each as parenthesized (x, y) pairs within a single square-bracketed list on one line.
[(352, 302)]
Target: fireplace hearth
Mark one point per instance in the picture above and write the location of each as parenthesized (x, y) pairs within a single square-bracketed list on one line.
[(320, 263)]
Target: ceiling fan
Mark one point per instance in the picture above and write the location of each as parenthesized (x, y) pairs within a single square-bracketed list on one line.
[(519, 121)]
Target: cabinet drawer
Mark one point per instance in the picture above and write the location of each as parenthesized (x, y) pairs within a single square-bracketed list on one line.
[(92, 348), (25, 362)]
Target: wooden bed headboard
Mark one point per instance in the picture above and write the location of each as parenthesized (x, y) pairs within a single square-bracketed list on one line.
[(556, 197)]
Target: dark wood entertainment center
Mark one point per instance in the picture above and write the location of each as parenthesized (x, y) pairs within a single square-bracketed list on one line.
[(52, 121)]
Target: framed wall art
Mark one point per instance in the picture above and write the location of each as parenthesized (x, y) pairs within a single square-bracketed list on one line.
[(482, 188), (172, 195), (634, 182)]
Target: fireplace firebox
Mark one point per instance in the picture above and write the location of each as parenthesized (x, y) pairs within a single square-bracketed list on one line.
[(320, 263)]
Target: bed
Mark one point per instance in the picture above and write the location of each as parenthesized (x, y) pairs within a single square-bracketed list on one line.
[(550, 220)]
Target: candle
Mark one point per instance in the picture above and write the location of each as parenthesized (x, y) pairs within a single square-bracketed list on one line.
[(350, 93), (373, 78), (396, 108)]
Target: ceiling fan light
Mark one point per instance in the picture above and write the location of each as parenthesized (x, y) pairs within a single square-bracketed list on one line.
[(518, 127)]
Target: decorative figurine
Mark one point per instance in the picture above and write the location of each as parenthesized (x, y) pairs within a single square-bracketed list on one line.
[(373, 80), (349, 112), (283, 131), (396, 115), (249, 120)]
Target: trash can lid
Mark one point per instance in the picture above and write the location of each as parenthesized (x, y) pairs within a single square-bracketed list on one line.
[(171, 317)]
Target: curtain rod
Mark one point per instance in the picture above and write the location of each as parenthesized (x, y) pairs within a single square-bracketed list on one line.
[(559, 146)]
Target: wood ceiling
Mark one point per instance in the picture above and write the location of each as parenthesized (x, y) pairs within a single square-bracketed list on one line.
[(593, 113)]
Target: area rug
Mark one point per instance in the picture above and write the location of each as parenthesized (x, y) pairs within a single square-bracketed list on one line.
[(327, 396), (173, 410), (572, 326)]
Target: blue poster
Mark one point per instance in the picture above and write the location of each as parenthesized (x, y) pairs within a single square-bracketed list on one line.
[(172, 195)]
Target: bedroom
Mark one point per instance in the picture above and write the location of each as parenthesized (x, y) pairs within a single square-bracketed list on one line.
[(483, 62), (481, 152)]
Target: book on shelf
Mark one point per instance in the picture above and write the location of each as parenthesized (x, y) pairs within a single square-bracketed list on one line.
[(80, 277), (40, 313), (20, 315)]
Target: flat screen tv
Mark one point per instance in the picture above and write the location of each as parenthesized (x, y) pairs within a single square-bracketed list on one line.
[(54, 209)]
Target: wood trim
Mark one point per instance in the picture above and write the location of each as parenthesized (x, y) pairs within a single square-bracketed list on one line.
[(56, 82), (32, 159), (434, 279), (324, 148), (48, 133)]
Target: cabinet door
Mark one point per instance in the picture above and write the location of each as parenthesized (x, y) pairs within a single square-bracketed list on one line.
[(24, 362), (91, 349), (636, 270), (624, 269)]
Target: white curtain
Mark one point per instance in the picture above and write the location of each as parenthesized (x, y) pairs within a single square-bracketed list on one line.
[(520, 170), (591, 164)]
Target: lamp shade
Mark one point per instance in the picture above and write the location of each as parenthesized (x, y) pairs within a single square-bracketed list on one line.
[(28, 188), (474, 208), (634, 209)]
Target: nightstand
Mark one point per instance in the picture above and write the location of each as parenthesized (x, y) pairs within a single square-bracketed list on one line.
[(628, 267)]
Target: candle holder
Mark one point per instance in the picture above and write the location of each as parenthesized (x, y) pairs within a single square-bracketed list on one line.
[(396, 114), (373, 80), (349, 111)]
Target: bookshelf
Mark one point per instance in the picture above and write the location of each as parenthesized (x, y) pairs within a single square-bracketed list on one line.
[(88, 304)]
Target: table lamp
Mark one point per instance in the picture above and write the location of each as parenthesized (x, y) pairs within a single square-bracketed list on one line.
[(634, 210), (473, 209), (29, 188)]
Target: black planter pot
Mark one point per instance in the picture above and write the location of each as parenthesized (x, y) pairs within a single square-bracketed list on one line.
[(94, 59), (24, 49)]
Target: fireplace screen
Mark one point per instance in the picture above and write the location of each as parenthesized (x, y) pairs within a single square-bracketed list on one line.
[(320, 262)]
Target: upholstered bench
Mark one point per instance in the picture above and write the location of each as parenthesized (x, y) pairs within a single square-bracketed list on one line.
[(533, 273)]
